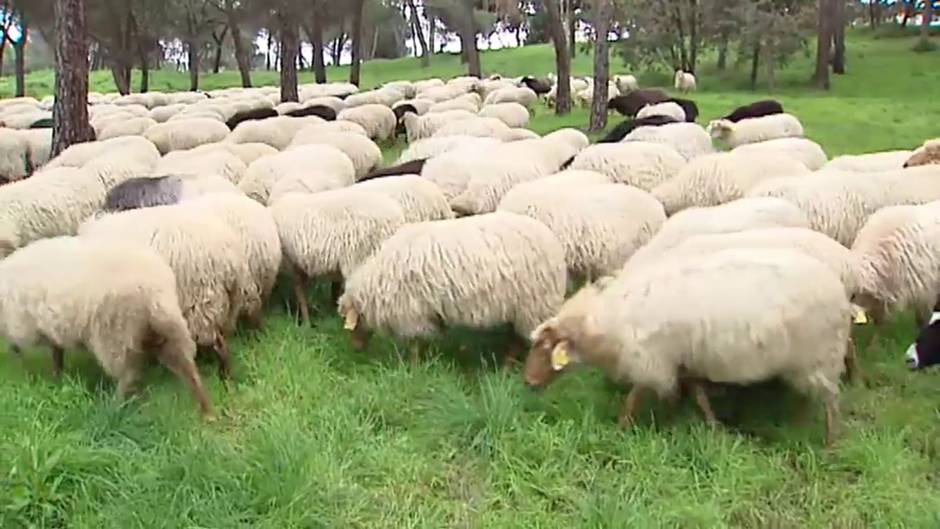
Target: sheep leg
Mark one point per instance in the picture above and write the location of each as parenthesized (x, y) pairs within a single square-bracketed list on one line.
[(185, 369), (300, 292), (630, 404), (417, 350), (513, 352), (336, 290), (832, 419), (127, 384), (360, 338), (222, 352), (701, 398), (851, 363), (58, 361)]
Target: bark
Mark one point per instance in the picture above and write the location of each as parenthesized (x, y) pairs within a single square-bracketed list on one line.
[(432, 31), (122, 80), (316, 40), (336, 50), (70, 112), (192, 50), (823, 44), (925, 25), (3, 48), (755, 64), (722, 53), (601, 66), (693, 36), (288, 50), (241, 55), (355, 69), (838, 36), (144, 72), (771, 66), (219, 42), (419, 33), (269, 47), (19, 50), (562, 58), (468, 39), (572, 30)]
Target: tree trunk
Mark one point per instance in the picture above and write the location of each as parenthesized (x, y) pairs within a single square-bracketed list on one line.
[(693, 36), (336, 50), (823, 44), (432, 31), (121, 80), (70, 112), (268, 50), (316, 40), (601, 65), (301, 64), (3, 48), (925, 25), (355, 69), (468, 39), (722, 64), (219, 43), (19, 53), (288, 50), (572, 30), (144, 72), (419, 33), (755, 64), (838, 36), (192, 50), (562, 58), (241, 55), (771, 66)]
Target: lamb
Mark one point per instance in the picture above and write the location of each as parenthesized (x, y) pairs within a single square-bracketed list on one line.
[(117, 300), (752, 315), (363, 152), (639, 164), (265, 172), (129, 127), (378, 120), (684, 81), (753, 130), (718, 178), (434, 146), (163, 190), (420, 199), (928, 154), (421, 127), (688, 139), (757, 109), (619, 132), (668, 108), (869, 163), (176, 135), (212, 277), (329, 234), (478, 271), (599, 225), (807, 152), (513, 115)]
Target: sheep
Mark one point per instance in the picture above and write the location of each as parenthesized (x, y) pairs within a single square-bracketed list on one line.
[(512, 114), (684, 81), (335, 103), (129, 147), (461, 103), (688, 139), (688, 107), (477, 271), (307, 182), (417, 106), (477, 126), (53, 202), (757, 109), (276, 132), (421, 127), (329, 234), (599, 225), (117, 300), (434, 146), (753, 130), (420, 199), (626, 83), (412, 167), (163, 190), (928, 154), (213, 162), (130, 127), (264, 173), (363, 152), (869, 163), (521, 95), (206, 255), (164, 113), (738, 215), (668, 108), (385, 97), (718, 178), (311, 132), (246, 152), (379, 121), (807, 152), (619, 132), (177, 135), (16, 161), (539, 86), (643, 165), (629, 104), (735, 316), (250, 115), (321, 111)]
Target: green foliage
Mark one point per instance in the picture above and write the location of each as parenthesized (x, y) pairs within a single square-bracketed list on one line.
[(313, 434)]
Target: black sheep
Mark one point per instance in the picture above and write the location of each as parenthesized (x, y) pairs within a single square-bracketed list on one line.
[(412, 167), (44, 123), (400, 112), (144, 192), (629, 104), (764, 107), (539, 86), (249, 115), (620, 131), (688, 106), (320, 111)]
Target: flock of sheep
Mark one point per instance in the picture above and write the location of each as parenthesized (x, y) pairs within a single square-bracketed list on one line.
[(701, 265)]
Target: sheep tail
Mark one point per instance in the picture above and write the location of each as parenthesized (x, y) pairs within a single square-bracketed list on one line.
[(177, 350)]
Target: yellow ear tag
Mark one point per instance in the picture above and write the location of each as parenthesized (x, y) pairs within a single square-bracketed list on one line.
[(352, 320), (861, 318), (560, 356)]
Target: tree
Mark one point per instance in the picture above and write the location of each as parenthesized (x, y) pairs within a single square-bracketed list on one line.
[(288, 48), (562, 59), (418, 32), (70, 112), (823, 43), (924, 43), (235, 12), (838, 36), (355, 70), (19, 54), (601, 65), (315, 35)]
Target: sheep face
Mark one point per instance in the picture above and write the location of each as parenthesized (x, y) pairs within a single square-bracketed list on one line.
[(927, 155), (719, 129), (925, 351), (548, 357), (359, 335)]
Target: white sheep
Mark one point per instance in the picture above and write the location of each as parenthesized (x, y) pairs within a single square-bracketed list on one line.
[(363, 152), (807, 152), (421, 106), (513, 115), (688, 139), (477, 271), (126, 147), (246, 152), (379, 121), (420, 199), (626, 83), (753, 130), (128, 127), (434, 146), (512, 94), (668, 109), (476, 126), (469, 102), (117, 300), (16, 162), (421, 127), (735, 316), (276, 132), (265, 172), (178, 135), (214, 162), (640, 164), (718, 178), (869, 163), (684, 81)]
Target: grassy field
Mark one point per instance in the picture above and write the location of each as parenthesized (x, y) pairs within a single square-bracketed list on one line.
[(313, 434)]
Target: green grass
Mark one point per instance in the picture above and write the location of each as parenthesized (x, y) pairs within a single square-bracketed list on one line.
[(313, 434)]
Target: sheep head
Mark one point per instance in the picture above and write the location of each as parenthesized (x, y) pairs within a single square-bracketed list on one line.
[(929, 154), (720, 128)]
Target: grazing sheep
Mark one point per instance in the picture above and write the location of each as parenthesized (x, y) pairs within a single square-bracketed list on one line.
[(753, 130), (629, 104), (363, 152), (757, 109), (464, 102), (736, 316), (625, 83), (539, 86), (421, 127), (924, 352), (214, 162), (129, 127), (250, 115), (718, 178), (522, 95), (668, 108), (688, 139), (329, 234), (805, 151), (413, 167), (276, 132), (642, 165), (684, 81), (478, 271), (420, 199), (312, 132), (164, 190), (246, 152), (179, 135), (512, 114), (476, 126), (437, 145), (128, 147), (599, 225), (869, 163), (206, 255), (164, 113), (928, 154), (619, 132), (264, 173), (379, 121), (335, 103), (117, 300)]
